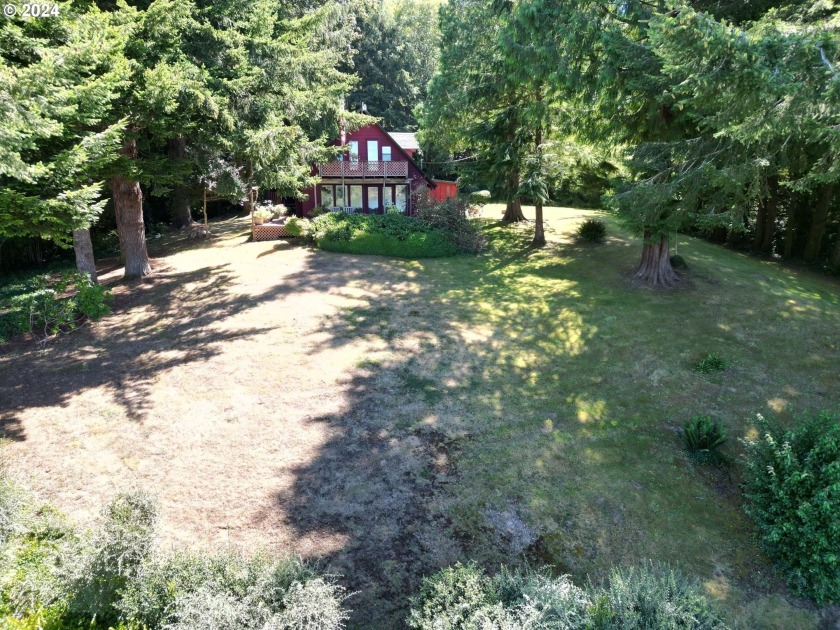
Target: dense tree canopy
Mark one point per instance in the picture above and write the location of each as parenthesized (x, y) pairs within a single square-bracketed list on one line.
[(726, 113), (395, 56)]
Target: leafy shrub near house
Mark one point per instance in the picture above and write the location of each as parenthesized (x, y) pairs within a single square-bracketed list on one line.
[(297, 226), (55, 576), (464, 597), (792, 486), (380, 234), (452, 217)]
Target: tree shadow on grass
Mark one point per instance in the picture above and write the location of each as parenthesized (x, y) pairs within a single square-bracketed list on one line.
[(166, 320), (518, 410)]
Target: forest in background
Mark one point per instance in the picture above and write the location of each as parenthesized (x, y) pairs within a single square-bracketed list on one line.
[(718, 119)]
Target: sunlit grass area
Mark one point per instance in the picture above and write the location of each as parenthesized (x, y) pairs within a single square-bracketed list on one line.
[(563, 387)]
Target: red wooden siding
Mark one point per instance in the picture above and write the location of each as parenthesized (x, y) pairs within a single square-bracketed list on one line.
[(444, 190), (417, 179)]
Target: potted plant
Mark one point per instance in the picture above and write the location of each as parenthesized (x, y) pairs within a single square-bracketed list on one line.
[(261, 215)]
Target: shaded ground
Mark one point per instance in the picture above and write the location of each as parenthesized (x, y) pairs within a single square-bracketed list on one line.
[(391, 417)]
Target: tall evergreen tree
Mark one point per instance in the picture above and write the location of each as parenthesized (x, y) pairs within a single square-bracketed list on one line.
[(59, 78)]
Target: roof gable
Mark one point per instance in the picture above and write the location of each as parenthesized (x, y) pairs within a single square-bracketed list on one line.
[(364, 133)]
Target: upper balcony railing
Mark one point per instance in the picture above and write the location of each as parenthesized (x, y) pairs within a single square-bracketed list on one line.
[(363, 169)]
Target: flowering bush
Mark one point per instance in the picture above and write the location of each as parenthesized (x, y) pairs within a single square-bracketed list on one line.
[(792, 487)]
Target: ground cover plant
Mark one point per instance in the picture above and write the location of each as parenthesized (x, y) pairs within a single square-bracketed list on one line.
[(390, 417), (54, 575), (793, 493)]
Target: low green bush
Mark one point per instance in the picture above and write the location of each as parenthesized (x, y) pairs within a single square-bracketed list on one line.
[(703, 436), (655, 598), (380, 234), (49, 305), (792, 487), (297, 226), (54, 577), (592, 231), (480, 198), (710, 363)]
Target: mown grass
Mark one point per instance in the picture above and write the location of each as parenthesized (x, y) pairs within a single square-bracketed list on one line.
[(565, 386)]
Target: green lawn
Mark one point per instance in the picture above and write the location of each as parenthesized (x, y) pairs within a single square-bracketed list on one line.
[(389, 417), (561, 385)]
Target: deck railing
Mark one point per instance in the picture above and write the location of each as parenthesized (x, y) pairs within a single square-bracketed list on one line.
[(363, 169)]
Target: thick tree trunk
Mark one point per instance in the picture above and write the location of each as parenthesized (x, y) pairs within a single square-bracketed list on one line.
[(539, 231), (180, 202), (655, 268), (85, 262), (513, 212), (128, 206), (818, 223)]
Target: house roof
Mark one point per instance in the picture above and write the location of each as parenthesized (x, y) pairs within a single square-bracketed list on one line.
[(405, 140)]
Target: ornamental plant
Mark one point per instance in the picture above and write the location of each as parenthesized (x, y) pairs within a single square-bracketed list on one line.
[(792, 487)]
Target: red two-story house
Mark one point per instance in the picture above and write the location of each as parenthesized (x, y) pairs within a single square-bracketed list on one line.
[(377, 173)]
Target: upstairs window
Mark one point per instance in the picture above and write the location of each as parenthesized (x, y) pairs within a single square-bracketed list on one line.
[(373, 151), (354, 150), (386, 154)]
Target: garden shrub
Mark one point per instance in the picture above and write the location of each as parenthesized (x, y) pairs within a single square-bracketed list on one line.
[(466, 598), (47, 306), (703, 435), (651, 598), (52, 577), (710, 363), (380, 234), (101, 566), (451, 216), (792, 487), (592, 231), (297, 226), (480, 198)]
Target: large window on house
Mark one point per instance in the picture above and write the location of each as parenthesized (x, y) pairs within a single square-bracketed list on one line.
[(386, 154), (327, 196), (373, 198), (355, 200), (339, 196), (373, 151), (402, 197), (387, 196), (354, 150)]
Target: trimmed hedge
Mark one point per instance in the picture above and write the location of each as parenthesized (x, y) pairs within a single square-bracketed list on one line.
[(380, 234)]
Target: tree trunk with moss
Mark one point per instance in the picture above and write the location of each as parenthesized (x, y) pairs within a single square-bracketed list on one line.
[(128, 207), (655, 268)]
